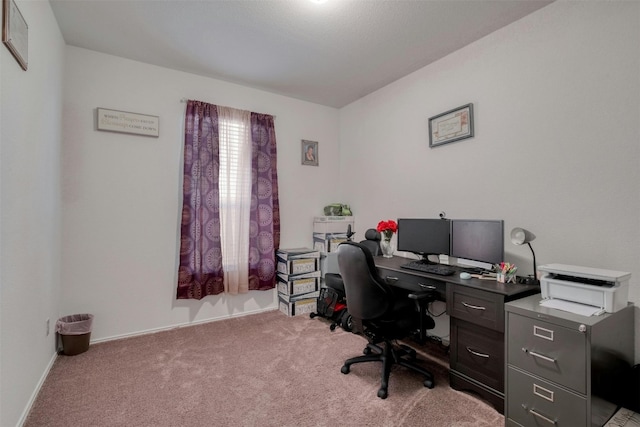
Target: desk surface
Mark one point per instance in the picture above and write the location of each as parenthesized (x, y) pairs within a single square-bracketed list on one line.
[(507, 289)]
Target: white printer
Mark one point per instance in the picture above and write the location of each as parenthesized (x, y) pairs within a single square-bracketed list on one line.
[(606, 289)]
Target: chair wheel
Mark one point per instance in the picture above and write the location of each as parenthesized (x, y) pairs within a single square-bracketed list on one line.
[(409, 352), (366, 351), (345, 369), (347, 323), (382, 393), (428, 383), (312, 315), (332, 327)]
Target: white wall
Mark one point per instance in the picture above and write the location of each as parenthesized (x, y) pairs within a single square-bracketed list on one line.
[(121, 198), (556, 151), (30, 222)]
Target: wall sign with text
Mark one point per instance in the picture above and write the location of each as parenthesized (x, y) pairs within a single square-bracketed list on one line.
[(125, 122)]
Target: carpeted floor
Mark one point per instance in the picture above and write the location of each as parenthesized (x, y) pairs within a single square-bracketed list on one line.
[(261, 370)]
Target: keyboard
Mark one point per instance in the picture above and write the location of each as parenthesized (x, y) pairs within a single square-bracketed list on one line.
[(439, 269)]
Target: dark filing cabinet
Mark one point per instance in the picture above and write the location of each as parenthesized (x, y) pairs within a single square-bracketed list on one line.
[(564, 369)]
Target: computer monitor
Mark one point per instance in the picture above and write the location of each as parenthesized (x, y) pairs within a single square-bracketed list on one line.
[(477, 243), (424, 236)]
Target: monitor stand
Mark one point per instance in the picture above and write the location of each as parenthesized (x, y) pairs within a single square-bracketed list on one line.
[(469, 265), (474, 270), (424, 259)]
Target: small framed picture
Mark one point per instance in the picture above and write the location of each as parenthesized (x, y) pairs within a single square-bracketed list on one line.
[(450, 126), (15, 32), (309, 152)]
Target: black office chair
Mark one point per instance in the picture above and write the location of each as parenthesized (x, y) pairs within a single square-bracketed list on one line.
[(371, 242), (334, 280), (380, 313)]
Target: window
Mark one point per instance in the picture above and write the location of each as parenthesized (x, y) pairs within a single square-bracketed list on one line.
[(234, 140), (222, 221)]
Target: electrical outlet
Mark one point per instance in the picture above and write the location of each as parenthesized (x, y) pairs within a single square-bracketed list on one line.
[(48, 327)]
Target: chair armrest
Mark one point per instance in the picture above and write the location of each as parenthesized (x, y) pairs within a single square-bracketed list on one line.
[(419, 296), (422, 299)]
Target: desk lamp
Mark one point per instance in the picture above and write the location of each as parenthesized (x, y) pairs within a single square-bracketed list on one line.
[(520, 236)]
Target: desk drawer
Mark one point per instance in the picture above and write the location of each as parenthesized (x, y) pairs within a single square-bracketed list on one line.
[(535, 402), (553, 352), (476, 306), (478, 353)]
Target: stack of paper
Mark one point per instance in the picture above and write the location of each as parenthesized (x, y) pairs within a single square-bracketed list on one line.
[(572, 307)]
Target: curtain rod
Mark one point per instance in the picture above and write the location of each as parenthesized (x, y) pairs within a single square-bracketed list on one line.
[(183, 100)]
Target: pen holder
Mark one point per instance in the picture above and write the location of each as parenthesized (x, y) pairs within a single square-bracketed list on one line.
[(505, 278)]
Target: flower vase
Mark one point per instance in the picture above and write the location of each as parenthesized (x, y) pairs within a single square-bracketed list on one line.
[(387, 247)]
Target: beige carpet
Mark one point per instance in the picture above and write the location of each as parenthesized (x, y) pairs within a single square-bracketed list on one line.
[(261, 370)]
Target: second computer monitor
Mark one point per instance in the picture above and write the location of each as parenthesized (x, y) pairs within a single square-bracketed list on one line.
[(478, 243), (424, 236)]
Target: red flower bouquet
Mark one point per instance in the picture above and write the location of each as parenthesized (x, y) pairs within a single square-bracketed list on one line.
[(387, 228)]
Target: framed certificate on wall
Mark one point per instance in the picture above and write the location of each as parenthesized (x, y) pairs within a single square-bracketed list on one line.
[(450, 126)]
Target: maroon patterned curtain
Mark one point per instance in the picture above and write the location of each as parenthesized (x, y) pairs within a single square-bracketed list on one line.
[(265, 209), (200, 272)]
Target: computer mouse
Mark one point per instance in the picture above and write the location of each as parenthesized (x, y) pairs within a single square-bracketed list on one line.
[(465, 275)]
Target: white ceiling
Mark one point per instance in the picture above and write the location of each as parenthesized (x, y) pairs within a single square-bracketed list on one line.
[(331, 53)]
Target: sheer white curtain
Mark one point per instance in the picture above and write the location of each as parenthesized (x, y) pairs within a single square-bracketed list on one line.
[(234, 127)]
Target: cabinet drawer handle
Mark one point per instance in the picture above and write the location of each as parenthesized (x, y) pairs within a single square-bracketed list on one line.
[(422, 285), (475, 353), (542, 417), (475, 307), (392, 278), (538, 355)]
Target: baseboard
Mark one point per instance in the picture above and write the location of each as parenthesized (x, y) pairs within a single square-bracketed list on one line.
[(34, 395), (181, 325)]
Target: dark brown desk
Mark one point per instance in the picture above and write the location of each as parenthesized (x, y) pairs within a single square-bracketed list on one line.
[(477, 323)]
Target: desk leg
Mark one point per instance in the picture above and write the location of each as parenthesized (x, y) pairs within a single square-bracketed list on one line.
[(422, 335)]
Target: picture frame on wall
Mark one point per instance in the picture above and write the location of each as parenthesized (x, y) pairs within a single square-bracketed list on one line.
[(15, 32), (309, 153), (450, 126)]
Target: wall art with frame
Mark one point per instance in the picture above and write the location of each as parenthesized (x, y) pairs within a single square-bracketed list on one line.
[(450, 126), (15, 32), (309, 151)]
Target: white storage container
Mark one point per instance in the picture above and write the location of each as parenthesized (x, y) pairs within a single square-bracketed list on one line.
[(332, 224), (297, 286), (297, 305)]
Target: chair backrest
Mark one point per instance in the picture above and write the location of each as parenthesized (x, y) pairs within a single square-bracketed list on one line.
[(372, 241), (368, 296)]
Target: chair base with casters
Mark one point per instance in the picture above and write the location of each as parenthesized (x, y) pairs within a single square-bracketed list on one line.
[(382, 348), (390, 355)]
